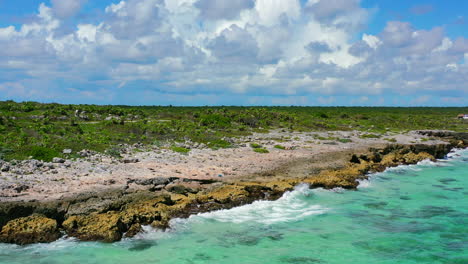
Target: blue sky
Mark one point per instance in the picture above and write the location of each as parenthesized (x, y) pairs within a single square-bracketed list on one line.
[(235, 52)]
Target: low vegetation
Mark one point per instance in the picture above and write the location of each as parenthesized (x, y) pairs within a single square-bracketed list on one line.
[(42, 131), (261, 150)]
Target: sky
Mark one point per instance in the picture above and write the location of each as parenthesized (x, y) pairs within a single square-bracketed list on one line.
[(235, 52)]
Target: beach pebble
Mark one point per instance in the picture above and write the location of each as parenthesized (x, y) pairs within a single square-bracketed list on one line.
[(58, 160), (130, 160), (67, 151)]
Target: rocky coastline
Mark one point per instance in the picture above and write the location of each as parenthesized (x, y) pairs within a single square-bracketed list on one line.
[(116, 212)]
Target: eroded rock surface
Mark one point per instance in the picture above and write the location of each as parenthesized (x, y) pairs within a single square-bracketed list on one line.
[(31, 229)]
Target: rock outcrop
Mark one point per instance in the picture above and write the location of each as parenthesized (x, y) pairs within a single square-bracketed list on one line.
[(109, 216), (31, 229)]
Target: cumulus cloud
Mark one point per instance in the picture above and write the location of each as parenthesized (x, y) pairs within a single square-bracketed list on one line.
[(266, 48), (222, 9), (67, 8)]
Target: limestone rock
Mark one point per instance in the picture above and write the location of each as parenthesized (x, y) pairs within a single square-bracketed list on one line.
[(67, 151), (58, 160), (106, 227), (130, 160), (31, 229)]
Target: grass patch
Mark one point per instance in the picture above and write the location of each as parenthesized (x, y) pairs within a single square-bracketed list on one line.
[(180, 149), (345, 140), (255, 145), (390, 140), (261, 150), (42, 153), (219, 143), (370, 136), (280, 147)]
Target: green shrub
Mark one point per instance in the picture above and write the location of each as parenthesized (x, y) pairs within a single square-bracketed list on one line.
[(114, 152), (261, 150), (42, 153), (219, 143), (345, 140), (255, 145), (4, 152), (370, 136), (180, 149), (279, 147)]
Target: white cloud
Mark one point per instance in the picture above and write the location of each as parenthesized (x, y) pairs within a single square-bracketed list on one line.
[(266, 47), (67, 8)]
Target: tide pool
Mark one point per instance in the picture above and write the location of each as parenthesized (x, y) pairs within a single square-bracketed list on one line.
[(407, 214)]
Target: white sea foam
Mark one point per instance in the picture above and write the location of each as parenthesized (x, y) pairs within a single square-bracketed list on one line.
[(364, 184), (290, 207), (60, 244)]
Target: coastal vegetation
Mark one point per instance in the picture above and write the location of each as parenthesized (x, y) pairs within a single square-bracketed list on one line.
[(43, 131)]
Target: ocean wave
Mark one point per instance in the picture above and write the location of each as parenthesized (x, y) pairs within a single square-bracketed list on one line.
[(60, 244), (292, 206), (364, 184)]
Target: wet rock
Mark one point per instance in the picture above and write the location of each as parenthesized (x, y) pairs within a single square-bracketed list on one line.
[(133, 230), (31, 229)]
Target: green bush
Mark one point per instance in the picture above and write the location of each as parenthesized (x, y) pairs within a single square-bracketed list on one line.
[(42, 153), (180, 149), (370, 136), (279, 147), (219, 143), (114, 152), (261, 150), (345, 140), (255, 145)]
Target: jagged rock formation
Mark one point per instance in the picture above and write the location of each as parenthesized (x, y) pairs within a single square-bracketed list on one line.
[(109, 216)]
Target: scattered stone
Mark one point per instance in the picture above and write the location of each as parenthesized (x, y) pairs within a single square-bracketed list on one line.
[(130, 160), (5, 167), (84, 153), (67, 151), (21, 188), (58, 160)]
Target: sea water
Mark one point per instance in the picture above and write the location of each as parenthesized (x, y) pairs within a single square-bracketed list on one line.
[(407, 214)]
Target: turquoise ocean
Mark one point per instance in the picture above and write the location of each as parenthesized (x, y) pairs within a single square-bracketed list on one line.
[(407, 214)]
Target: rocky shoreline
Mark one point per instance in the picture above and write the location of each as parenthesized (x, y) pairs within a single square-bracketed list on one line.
[(111, 214)]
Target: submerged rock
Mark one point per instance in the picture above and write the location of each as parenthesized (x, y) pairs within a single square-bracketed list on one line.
[(31, 229)]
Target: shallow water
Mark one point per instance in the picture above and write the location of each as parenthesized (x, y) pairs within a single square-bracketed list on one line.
[(408, 214)]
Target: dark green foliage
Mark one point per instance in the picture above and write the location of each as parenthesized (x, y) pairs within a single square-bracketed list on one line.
[(114, 152), (255, 145), (344, 140), (42, 153), (4, 152)]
